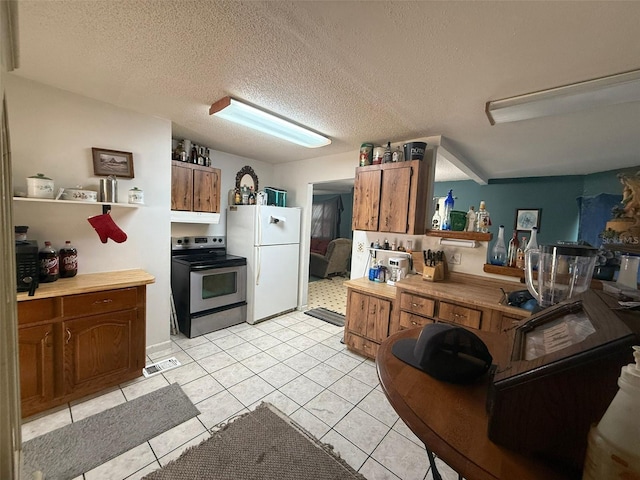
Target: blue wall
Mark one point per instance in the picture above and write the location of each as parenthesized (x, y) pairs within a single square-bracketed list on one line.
[(556, 196)]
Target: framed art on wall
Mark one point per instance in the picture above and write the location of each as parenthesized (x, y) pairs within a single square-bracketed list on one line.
[(112, 162), (527, 218)]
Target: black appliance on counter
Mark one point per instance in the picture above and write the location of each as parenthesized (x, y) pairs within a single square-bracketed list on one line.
[(209, 287), (27, 265)]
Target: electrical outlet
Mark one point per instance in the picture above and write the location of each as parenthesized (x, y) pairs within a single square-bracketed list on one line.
[(455, 258)]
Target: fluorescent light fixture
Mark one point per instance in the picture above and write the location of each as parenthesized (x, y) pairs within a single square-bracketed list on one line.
[(455, 242), (252, 117), (600, 92)]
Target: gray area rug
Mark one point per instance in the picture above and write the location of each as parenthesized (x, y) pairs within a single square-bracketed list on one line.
[(81, 446), (263, 444), (327, 316)]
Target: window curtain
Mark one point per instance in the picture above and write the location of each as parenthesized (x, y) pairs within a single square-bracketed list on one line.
[(325, 217)]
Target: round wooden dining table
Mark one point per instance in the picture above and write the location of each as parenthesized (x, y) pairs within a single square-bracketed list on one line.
[(451, 420)]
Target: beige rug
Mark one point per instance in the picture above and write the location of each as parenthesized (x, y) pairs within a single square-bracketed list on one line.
[(260, 445)]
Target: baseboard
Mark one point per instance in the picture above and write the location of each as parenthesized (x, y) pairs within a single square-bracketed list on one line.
[(158, 347)]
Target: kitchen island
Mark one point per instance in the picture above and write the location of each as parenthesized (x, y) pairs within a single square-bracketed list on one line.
[(377, 310), (80, 335)]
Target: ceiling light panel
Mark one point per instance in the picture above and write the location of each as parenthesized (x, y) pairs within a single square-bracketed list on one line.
[(257, 119)]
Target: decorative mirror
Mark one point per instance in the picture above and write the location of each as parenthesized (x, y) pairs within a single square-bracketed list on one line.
[(246, 176)]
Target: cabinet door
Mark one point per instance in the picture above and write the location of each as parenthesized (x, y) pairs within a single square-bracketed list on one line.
[(206, 194), (394, 200), (357, 312), (100, 349), (366, 200), (181, 188), (36, 366), (378, 319)]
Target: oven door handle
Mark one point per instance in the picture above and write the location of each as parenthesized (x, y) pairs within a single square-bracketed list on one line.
[(202, 267)]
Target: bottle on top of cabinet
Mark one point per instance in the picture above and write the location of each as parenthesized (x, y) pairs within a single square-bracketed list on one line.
[(387, 155), (68, 260), (49, 263), (435, 221), (471, 220)]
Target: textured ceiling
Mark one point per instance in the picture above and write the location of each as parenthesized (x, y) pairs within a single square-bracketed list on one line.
[(355, 71)]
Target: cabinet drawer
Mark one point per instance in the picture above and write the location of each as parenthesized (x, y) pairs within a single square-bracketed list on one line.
[(361, 345), (409, 320), (32, 311), (417, 304), (99, 302), (461, 315)]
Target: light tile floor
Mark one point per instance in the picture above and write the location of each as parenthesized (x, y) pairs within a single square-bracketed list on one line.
[(297, 363)]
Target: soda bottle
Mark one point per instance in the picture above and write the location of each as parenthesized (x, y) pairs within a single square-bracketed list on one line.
[(68, 260), (49, 263)]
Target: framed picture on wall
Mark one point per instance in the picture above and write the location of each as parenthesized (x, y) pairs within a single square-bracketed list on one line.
[(112, 162), (527, 218)]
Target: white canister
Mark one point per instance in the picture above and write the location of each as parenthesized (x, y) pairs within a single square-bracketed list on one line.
[(39, 186), (136, 195)]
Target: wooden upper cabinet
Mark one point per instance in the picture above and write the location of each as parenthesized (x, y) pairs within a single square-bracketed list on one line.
[(195, 188), (391, 197), (206, 191), (181, 187)]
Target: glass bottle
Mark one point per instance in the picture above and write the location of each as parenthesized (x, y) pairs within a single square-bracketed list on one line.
[(512, 254), (499, 251), (435, 220), (68, 260), (252, 196), (49, 263), (533, 245), (533, 241), (386, 156), (483, 219), (471, 220), (398, 155), (446, 215)]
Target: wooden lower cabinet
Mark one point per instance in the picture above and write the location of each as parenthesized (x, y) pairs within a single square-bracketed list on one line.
[(419, 310), (90, 341), (36, 345), (367, 322)]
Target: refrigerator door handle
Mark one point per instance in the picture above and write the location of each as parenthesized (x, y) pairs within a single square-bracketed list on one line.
[(258, 264)]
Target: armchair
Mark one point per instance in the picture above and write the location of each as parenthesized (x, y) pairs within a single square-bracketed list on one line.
[(335, 261)]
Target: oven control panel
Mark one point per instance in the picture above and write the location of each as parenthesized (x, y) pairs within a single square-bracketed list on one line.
[(188, 243)]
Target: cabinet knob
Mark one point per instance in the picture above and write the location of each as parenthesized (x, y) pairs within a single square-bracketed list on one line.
[(46, 339), (414, 304), (414, 323), (68, 335)]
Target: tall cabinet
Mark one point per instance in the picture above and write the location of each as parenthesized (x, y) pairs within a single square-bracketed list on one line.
[(391, 197)]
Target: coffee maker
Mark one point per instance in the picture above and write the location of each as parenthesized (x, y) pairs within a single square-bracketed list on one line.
[(398, 268)]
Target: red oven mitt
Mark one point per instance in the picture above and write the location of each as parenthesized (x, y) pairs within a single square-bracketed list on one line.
[(107, 228)]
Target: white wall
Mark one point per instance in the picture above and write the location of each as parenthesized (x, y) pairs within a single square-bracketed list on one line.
[(52, 132)]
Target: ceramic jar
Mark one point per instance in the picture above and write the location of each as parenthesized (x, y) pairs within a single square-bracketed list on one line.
[(136, 195), (39, 186)]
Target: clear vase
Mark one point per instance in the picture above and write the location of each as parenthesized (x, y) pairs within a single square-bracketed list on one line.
[(499, 251)]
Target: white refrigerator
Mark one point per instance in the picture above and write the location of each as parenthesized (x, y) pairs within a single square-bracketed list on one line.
[(269, 238)]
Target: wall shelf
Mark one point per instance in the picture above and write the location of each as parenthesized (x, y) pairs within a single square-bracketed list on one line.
[(106, 206), (622, 247), (477, 236), (506, 271)]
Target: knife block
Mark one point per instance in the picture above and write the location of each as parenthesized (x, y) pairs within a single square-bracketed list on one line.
[(433, 274)]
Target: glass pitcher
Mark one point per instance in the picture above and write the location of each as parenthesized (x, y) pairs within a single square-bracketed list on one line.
[(563, 271)]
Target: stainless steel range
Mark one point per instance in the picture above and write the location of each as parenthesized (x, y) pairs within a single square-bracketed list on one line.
[(209, 287)]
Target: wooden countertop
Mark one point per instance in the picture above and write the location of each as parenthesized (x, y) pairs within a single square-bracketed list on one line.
[(470, 289), (90, 282), (374, 288)]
